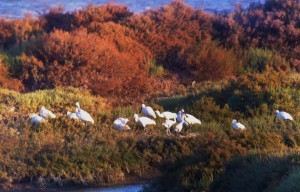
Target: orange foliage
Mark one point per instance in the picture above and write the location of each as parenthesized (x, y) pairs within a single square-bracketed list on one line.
[(120, 36), (93, 16), (82, 59), (170, 30), (18, 31), (108, 49), (275, 25), (57, 18), (211, 62), (7, 82)]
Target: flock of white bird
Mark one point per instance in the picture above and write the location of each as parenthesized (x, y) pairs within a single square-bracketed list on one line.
[(79, 114), (177, 120)]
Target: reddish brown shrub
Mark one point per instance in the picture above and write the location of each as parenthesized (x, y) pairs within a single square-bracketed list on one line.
[(93, 16), (211, 62), (121, 37), (7, 82), (6, 33), (169, 30), (18, 31), (275, 25), (90, 17), (227, 31), (81, 59), (57, 18)]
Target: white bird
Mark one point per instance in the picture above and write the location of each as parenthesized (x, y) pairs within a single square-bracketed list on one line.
[(148, 111), (283, 115), (166, 114), (144, 121), (237, 125), (190, 119), (120, 124), (179, 127), (179, 116), (168, 124), (45, 113), (72, 115), (36, 119), (83, 115)]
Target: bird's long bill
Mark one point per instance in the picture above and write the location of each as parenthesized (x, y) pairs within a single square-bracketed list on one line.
[(141, 109), (274, 118)]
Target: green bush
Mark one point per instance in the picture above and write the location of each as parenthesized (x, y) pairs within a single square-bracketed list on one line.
[(257, 60), (259, 172)]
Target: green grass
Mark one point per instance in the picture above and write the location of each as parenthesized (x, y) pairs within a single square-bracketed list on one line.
[(154, 69), (58, 100), (257, 60), (260, 172), (63, 152)]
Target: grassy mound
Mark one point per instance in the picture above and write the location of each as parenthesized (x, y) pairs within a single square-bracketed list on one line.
[(261, 172)]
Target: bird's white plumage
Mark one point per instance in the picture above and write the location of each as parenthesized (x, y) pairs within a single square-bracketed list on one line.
[(72, 115), (283, 115), (148, 111), (36, 119), (83, 115), (168, 124), (144, 121), (166, 114), (120, 124), (190, 119), (45, 113), (179, 127), (236, 125)]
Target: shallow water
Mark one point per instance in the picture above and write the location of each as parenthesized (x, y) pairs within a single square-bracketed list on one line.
[(127, 188), (17, 8)]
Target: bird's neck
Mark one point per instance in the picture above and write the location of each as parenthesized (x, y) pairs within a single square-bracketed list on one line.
[(136, 119), (159, 114)]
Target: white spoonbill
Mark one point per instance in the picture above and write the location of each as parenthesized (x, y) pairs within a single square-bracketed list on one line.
[(144, 121), (45, 113), (166, 114), (72, 115), (179, 126), (36, 119), (283, 115), (237, 125), (120, 124), (190, 119), (168, 124), (148, 111), (83, 115)]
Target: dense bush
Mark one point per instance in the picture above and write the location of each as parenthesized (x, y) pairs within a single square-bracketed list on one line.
[(16, 32), (257, 60), (6, 81), (196, 172), (170, 30), (210, 62), (174, 38), (252, 91), (57, 18), (260, 173), (84, 60), (93, 16), (274, 24)]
